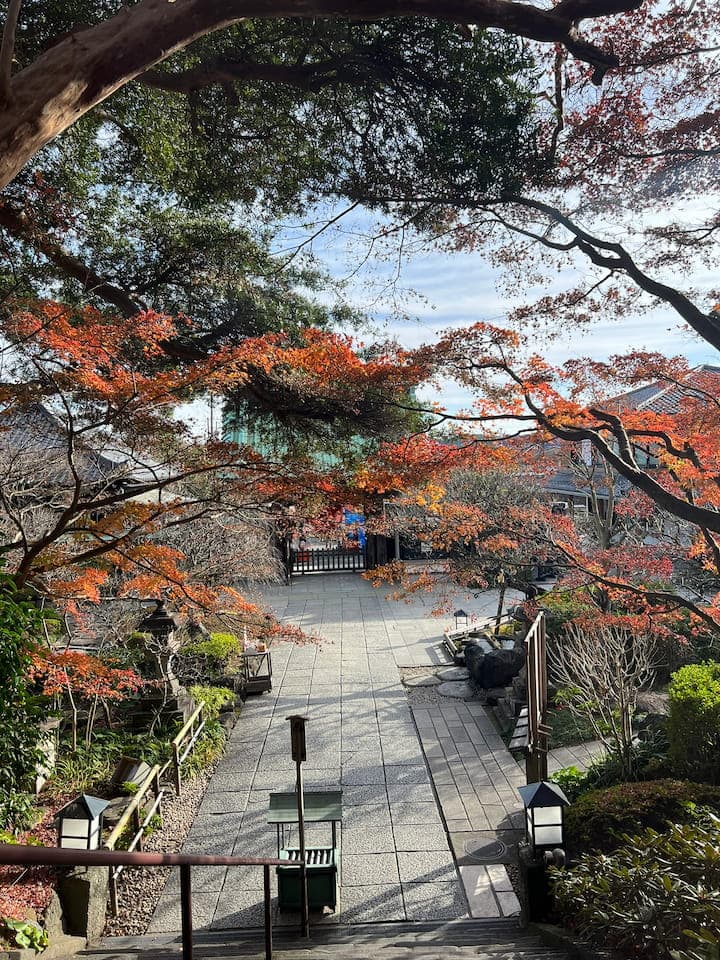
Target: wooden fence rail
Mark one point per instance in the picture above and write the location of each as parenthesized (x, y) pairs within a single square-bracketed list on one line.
[(185, 740), (139, 818), (138, 815), (536, 765)]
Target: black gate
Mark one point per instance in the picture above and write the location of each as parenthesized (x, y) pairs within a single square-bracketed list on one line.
[(326, 560)]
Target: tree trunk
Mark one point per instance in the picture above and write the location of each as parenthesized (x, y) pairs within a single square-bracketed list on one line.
[(85, 68)]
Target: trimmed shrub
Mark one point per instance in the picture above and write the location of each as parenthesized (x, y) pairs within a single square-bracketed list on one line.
[(220, 647), (214, 699), (208, 659), (561, 606), (694, 721), (656, 898), (597, 821)]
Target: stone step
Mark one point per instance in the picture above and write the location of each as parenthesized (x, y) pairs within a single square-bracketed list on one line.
[(464, 939)]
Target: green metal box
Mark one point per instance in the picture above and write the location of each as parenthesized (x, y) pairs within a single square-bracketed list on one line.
[(322, 879)]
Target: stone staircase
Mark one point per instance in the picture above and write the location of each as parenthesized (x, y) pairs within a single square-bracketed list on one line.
[(460, 939)]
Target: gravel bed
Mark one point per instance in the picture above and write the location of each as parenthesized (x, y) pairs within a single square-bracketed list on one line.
[(421, 696), (139, 888)]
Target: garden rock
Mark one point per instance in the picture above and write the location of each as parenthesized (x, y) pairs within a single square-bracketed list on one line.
[(519, 685), (474, 656), (83, 895), (458, 690), (453, 673), (499, 667), (652, 702), (494, 695)]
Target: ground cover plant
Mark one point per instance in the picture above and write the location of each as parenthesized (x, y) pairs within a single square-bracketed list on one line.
[(597, 821), (656, 897)]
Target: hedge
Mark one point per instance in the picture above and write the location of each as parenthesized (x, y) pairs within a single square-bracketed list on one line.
[(597, 820), (694, 721)]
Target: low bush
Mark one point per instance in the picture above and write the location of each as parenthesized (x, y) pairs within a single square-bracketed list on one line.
[(597, 820), (571, 781), (90, 767), (23, 934), (208, 749), (647, 758), (18, 812), (562, 606), (567, 729), (214, 699), (220, 647), (655, 898), (694, 721), (207, 659)]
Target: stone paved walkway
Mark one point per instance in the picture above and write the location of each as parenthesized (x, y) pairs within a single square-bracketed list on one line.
[(396, 861), (580, 755)]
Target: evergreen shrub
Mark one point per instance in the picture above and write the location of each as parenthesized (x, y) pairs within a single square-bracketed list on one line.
[(694, 721)]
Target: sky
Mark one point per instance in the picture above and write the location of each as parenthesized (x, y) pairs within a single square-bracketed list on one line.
[(434, 290), (452, 290)]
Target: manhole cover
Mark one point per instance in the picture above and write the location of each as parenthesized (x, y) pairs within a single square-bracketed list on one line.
[(493, 852), (485, 846)]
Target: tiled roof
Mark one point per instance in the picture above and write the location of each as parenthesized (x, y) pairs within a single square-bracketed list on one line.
[(31, 429), (667, 397)]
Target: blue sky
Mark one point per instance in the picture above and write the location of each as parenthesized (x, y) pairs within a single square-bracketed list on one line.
[(435, 290)]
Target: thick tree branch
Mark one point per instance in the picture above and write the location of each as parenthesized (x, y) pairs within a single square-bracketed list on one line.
[(7, 49), (93, 283), (308, 76), (85, 68), (678, 506), (613, 256)]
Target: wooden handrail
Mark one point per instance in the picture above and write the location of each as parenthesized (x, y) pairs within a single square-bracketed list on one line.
[(180, 736), (132, 807), (188, 730)]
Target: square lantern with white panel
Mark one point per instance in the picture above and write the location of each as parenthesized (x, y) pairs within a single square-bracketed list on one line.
[(544, 822), (80, 822)]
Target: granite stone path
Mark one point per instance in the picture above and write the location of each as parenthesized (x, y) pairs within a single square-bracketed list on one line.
[(580, 755), (397, 862)]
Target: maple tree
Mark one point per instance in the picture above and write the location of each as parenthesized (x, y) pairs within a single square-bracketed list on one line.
[(625, 558), (98, 481), (81, 677)]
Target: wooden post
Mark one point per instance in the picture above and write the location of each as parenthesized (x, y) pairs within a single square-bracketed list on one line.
[(304, 918), (297, 741), (113, 892), (176, 765), (536, 760), (137, 826), (156, 789)]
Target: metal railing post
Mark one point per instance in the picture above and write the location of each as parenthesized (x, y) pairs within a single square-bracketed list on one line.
[(268, 912), (186, 911)]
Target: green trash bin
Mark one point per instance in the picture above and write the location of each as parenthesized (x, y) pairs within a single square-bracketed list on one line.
[(322, 878)]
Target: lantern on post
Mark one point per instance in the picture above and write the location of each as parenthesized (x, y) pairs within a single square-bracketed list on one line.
[(461, 619), (544, 803), (79, 823)]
